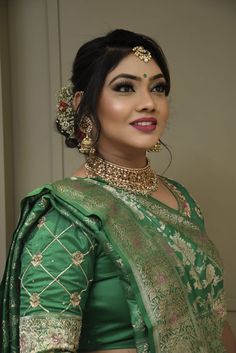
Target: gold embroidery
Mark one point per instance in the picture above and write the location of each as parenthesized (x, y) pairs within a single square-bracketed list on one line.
[(43, 202), (178, 323), (77, 258), (210, 274), (41, 222), (184, 248), (34, 300), (39, 333), (220, 307), (75, 299), (198, 212), (55, 275), (184, 203), (37, 259), (119, 263)]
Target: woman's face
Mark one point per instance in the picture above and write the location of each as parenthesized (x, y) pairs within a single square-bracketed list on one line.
[(133, 108)]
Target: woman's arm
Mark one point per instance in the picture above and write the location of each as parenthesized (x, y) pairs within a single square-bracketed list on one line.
[(56, 268), (228, 339)]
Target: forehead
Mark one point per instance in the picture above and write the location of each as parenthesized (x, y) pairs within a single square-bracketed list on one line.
[(135, 66)]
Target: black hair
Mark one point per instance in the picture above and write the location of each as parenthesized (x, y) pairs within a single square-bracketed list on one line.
[(97, 58)]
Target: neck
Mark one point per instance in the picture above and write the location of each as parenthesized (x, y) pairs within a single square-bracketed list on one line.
[(129, 160), (132, 178)]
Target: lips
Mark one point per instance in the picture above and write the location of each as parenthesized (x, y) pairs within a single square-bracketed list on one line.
[(145, 124)]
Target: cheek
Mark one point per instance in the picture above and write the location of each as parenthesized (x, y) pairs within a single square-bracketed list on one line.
[(163, 118), (165, 111), (112, 109)]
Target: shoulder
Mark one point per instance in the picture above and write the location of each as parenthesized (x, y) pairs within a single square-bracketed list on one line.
[(48, 221), (179, 187), (185, 195), (66, 182), (67, 187), (58, 231), (57, 206)]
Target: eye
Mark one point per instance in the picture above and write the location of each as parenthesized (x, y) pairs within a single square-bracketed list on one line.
[(161, 87), (123, 87)]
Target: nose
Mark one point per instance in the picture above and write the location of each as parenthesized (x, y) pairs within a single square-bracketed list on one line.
[(145, 102)]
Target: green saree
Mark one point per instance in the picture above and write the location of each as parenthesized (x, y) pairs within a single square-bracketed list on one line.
[(170, 272)]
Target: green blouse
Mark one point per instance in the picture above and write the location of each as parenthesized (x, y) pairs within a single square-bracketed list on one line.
[(66, 277), (94, 267)]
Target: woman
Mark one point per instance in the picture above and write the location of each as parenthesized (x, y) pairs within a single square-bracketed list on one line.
[(115, 257)]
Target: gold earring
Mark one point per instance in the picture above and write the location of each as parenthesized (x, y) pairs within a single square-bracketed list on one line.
[(156, 148), (86, 145)]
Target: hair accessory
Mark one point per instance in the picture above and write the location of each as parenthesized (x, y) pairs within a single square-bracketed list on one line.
[(156, 148), (86, 145), (135, 180), (142, 54), (66, 114)]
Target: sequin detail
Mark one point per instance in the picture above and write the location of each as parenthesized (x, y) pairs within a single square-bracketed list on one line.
[(37, 259), (34, 300), (77, 258), (75, 299)]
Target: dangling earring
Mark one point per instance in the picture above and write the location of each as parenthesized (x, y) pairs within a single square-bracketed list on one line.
[(86, 145), (156, 148)]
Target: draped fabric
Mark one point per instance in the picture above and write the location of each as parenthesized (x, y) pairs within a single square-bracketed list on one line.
[(170, 272)]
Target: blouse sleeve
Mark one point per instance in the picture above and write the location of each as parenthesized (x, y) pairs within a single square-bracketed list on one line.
[(56, 269)]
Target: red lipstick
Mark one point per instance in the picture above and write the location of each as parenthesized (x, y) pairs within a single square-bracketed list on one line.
[(145, 124)]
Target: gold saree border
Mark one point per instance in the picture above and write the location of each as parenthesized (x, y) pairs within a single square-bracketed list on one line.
[(39, 333), (171, 322)]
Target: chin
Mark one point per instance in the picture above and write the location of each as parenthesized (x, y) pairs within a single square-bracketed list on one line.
[(142, 148), (147, 146)]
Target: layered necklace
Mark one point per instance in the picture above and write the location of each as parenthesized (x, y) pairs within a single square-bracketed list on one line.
[(136, 180)]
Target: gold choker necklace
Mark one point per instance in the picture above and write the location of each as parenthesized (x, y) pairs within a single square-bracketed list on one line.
[(136, 180)]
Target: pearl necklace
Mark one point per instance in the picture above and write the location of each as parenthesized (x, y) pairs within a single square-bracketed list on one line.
[(136, 180)]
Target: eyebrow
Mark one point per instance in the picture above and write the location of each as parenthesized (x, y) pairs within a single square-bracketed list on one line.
[(136, 78)]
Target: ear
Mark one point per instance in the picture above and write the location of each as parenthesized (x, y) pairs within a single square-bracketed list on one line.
[(77, 99)]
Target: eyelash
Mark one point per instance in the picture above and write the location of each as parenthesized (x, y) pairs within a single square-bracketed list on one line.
[(129, 85)]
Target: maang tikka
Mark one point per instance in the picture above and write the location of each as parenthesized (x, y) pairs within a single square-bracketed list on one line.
[(142, 53)]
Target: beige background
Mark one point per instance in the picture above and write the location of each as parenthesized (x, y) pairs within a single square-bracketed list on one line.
[(38, 40)]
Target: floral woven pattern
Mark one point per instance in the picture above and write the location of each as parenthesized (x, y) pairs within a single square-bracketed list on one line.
[(41, 333)]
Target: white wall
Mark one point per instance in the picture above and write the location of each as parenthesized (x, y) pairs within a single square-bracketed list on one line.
[(6, 147)]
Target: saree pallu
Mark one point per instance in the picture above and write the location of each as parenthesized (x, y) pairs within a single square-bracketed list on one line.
[(170, 271)]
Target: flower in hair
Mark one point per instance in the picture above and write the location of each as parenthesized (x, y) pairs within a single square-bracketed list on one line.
[(65, 112), (62, 106)]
